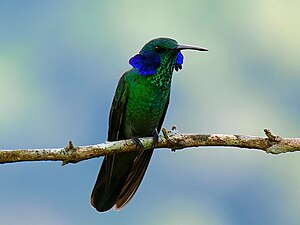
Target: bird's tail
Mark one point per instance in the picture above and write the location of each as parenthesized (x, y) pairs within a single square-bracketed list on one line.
[(119, 177)]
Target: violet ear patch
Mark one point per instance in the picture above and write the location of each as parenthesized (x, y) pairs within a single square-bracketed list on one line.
[(146, 64)]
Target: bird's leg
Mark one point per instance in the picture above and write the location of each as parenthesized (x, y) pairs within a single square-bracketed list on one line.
[(137, 142), (155, 137)]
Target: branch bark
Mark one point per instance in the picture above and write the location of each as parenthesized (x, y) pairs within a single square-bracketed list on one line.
[(170, 139)]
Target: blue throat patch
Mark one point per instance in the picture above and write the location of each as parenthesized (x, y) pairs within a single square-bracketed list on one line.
[(146, 63), (179, 61)]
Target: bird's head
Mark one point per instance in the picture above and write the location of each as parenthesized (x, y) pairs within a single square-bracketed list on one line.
[(160, 52)]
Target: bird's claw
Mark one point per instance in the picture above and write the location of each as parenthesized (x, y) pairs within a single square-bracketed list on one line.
[(155, 137), (137, 142)]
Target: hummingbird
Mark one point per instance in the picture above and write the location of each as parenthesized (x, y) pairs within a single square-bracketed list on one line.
[(138, 110)]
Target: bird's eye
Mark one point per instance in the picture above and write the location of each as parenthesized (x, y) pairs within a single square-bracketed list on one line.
[(158, 49)]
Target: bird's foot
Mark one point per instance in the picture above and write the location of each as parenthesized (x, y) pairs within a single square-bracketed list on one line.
[(137, 142), (155, 137)]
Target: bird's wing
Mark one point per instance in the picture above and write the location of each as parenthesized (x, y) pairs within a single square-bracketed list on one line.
[(106, 190), (138, 169), (117, 110)]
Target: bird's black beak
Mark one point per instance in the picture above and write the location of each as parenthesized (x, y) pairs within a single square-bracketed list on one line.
[(183, 47)]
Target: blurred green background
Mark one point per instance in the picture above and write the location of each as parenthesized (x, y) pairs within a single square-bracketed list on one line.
[(59, 65)]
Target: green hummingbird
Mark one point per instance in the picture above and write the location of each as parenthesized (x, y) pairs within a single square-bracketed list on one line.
[(138, 110)]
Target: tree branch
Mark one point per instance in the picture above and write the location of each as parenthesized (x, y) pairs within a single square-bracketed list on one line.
[(170, 139)]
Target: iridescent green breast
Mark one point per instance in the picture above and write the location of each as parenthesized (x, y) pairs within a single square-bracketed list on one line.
[(145, 105)]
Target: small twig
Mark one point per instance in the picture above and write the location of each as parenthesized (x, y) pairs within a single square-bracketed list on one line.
[(165, 133), (271, 137), (70, 146)]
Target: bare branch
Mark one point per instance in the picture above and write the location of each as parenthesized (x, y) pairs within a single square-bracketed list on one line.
[(170, 139)]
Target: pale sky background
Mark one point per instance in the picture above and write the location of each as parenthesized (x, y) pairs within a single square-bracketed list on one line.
[(59, 65)]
